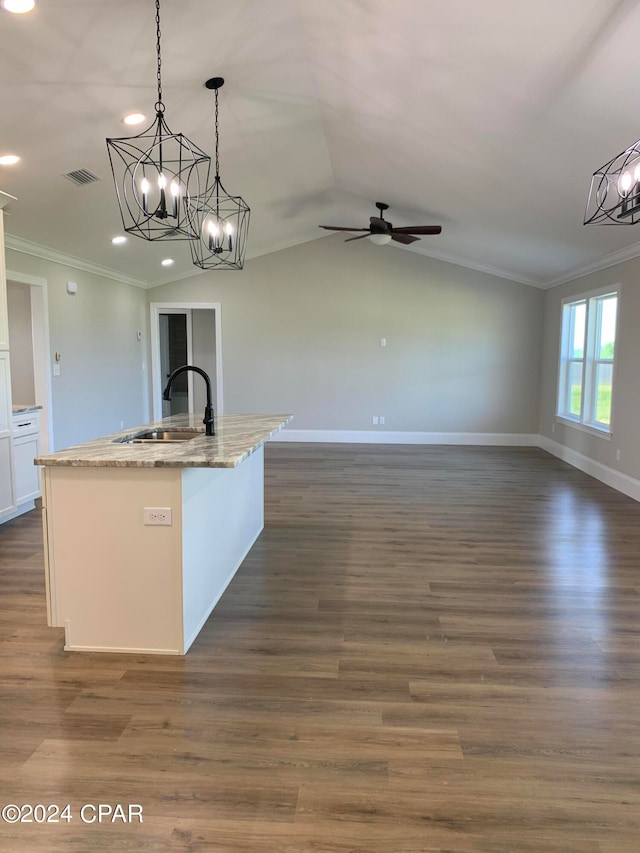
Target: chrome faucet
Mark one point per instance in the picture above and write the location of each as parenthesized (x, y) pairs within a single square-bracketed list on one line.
[(208, 421)]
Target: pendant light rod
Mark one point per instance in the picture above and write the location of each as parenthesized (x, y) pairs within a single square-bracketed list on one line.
[(216, 83)]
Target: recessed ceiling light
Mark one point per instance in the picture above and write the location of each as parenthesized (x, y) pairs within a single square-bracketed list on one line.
[(167, 262), (118, 240), (9, 159), (18, 7), (133, 118)]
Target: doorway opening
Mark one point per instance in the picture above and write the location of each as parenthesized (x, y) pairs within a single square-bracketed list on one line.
[(28, 312), (185, 333)]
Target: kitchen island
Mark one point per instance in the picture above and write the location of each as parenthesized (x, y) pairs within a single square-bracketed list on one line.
[(142, 537)]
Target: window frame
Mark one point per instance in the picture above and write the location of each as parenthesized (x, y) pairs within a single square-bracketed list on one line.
[(591, 359)]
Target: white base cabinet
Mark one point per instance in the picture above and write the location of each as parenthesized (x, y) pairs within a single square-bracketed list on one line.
[(19, 477), (26, 479), (7, 505), (118, 585)]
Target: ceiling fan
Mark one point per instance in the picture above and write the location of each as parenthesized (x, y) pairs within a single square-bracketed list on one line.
[(380, 231)]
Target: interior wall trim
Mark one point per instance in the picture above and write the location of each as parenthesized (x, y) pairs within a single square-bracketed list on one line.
[(35, 250), (616, 479), (628, 253), (333, 436)]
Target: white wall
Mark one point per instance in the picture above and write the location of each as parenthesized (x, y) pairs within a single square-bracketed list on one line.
[(301, 333), (21, 343), (102, 382), (625, 414), (204, 355)]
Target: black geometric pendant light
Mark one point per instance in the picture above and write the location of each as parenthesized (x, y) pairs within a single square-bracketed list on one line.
[(222, 219), (157, 175), (614, 195)]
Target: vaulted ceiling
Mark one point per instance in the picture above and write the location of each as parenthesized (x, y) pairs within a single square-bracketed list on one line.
[(485, 116)]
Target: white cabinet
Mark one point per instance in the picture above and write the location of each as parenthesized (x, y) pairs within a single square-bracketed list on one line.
[(4, 318), (27, 485), (7, 505), (26, 479), (6, 480), (5, 395)]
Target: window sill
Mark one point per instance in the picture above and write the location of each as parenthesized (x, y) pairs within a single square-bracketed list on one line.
[(592, 430)]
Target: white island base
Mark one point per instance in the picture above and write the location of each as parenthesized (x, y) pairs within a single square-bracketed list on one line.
[(117, 585)]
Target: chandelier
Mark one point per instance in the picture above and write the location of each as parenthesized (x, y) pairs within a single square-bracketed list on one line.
[(222, 220), (614, 196), (158, 174)]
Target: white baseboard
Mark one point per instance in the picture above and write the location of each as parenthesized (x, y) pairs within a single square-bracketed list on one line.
[(332, 436), (20, 510), (621, 482)]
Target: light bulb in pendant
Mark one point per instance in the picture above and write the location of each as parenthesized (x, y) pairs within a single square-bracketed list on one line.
[(212, 227), (624, 184), (228, 228), (144, 189), (175, 196), (161, 212)]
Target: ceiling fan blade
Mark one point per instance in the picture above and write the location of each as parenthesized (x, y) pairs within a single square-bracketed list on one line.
[(418, 229), (341, 228), (359, 237), (403, 238)]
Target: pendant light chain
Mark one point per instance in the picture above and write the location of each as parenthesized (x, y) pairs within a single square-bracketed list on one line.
[(217, 157), (159, 104)]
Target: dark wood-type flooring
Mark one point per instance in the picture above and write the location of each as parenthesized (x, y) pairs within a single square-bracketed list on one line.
[(428, 649)]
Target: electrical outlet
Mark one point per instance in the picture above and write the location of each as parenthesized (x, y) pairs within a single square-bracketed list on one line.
[(374, 420), (618, 454), (553, 427), (157, 515), (381, 421)]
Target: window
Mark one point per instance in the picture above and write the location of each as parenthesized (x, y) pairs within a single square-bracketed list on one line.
[(587, 351)]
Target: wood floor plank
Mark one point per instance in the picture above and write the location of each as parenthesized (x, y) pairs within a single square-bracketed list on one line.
[(427, 649)]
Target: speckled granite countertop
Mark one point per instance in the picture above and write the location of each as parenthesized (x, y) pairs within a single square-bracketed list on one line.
[(17, 409), (237, 436)]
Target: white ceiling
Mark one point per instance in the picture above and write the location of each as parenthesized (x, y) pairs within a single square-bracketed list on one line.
[(485, 116)]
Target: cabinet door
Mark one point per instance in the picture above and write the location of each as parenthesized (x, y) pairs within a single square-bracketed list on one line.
[(4, 319), (6, 480), (27, 480), (5, 394)]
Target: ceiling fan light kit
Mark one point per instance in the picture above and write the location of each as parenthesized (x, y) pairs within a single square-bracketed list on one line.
[(157, 175), (381, 232), (380, 239), (222, 220), (614, 195)]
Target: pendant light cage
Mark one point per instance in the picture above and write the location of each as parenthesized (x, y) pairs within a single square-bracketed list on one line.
[(222, 219), (614, 195), (158, 174)]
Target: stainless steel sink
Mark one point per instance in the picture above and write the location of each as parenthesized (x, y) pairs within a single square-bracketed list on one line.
[(155, 436)]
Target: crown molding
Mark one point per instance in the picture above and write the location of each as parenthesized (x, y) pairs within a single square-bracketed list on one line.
[(602, 263), (36, 250), (287, 244), (472, 265), (5, 198)]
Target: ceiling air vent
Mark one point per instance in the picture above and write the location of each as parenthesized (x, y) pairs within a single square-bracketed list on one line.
[(81, 177)]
